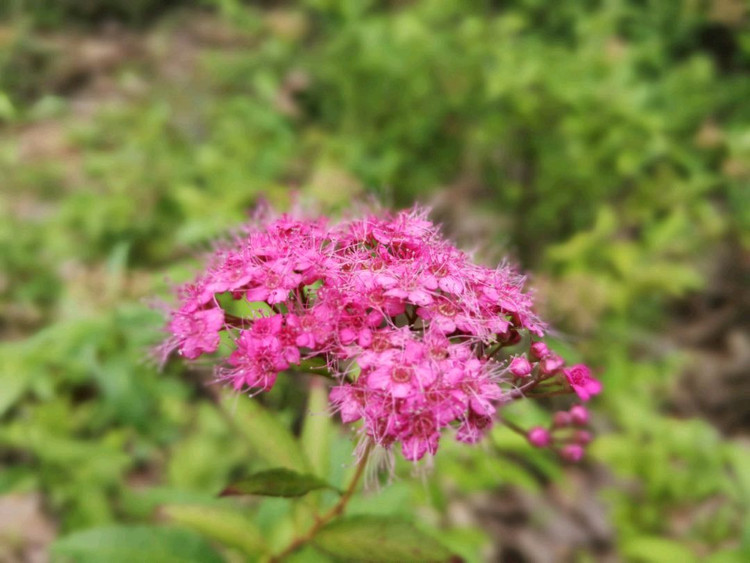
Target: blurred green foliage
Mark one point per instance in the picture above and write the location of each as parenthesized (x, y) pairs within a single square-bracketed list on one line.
[(610, 139), (47, 14)]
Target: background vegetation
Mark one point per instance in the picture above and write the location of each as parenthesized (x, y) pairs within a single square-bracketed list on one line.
[(603, 145)]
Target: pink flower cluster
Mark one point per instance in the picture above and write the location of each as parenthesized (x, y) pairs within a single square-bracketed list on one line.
[(414, 334)]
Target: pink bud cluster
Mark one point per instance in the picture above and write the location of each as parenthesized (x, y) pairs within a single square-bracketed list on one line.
[(565, 434), (413, 333)]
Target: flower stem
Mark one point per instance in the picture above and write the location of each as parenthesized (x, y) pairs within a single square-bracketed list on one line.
[(520, 391), (517, 429), (335, 511)]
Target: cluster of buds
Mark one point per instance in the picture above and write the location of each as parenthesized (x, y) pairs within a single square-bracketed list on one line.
[(415, 336), (566, 435)]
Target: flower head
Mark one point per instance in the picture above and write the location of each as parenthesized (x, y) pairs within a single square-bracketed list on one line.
[(410, 329)]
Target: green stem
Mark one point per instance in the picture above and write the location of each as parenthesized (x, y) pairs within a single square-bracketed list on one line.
[(549, 394), (335, 511), (513, 426)]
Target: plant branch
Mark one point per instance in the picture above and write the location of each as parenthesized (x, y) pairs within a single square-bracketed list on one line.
[(333, 512), (235, 321), (520, 391), (513, 426)]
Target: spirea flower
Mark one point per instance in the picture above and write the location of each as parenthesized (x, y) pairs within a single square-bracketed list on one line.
[(413, 333), (582, 382)]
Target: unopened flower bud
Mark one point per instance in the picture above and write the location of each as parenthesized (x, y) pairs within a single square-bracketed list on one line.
[(551, 364), (539, 437), (561, 419), (539, 350), (520, 367), (582, 437), (572, 452), (579, 415)]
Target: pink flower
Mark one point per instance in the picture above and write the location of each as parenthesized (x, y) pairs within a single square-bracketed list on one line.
[(197, 332), (401, 372), (409, 286), (580, 379), (350, 401), (446, 267), (356, 323), (421, 435), (262, 352), (473, 428), (313, 329), (256, 362), (235, 272), (472, 384), (442, 315)]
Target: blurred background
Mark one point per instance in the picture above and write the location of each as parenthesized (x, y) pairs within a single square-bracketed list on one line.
[(602, 145)]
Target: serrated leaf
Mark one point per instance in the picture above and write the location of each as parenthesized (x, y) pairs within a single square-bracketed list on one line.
[(125, 544), (226, 526), (279, 482), (379, 538)]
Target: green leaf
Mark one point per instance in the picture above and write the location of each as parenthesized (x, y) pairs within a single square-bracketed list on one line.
[(14, 383), (268, 437), (729, 556), (317, 428), (227, 527), (379, 538), (279, 482), (125, 544), (648, 549), (7, 112)]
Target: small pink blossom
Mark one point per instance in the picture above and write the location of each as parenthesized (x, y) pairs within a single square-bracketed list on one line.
[(580, 379), (255, 363), (421, 435), (402, 373), (473, 428), (350, 401), (274, 283), (197, 332)]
